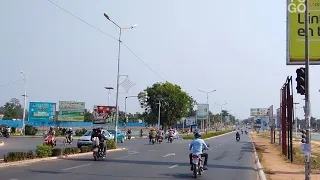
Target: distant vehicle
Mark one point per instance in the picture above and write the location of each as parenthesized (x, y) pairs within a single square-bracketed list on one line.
[(175, 135), (120, 136), (85, 140)]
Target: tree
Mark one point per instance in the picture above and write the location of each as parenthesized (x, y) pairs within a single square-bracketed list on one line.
[(87, 116), (175, 103), (12, 110)]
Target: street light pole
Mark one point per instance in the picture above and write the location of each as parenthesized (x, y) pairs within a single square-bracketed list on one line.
[(25, 102), (208, 92), (125, 106), (118, 75), (296, 119), (159, 115), (221, 112)]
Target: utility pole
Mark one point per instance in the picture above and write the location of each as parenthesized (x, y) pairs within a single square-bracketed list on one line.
[(296, 119), (307, 100), (25, 103), (208, 120), (159, 114)]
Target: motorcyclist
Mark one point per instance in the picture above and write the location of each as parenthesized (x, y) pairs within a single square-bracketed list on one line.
[(171, 133), (198, 145), (241, 131), (69, 134), (152, 134), (141, 133), (237, 135), (129, 132), (52, 133), (97, 133), (159, 135)]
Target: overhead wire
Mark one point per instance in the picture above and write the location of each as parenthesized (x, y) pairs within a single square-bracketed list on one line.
[(14, 82), (92, 26)]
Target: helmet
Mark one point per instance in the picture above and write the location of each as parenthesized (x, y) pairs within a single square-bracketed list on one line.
[(197, 135), (51, 127), (70, 129)]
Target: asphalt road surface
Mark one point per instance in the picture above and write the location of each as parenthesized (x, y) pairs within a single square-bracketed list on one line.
[(228, 160)]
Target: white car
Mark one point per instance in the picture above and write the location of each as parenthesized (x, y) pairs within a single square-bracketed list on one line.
[(85, 140), (175, 134)]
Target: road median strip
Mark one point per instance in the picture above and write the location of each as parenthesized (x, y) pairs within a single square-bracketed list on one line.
[(210, 135)]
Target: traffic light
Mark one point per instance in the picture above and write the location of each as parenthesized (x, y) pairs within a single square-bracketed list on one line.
[(300, 81), (303, 136)]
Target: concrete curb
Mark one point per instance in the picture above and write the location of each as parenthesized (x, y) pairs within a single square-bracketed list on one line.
[(3, 165), (212, 136), (1, 143), (261, 173)]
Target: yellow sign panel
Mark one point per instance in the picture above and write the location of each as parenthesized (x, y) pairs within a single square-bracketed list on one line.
[(296, 32)]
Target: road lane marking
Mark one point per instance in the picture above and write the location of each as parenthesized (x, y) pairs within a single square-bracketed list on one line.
[(216, 146), (173, 166), (122, 157), (133, 152), (151, 150), (77, 167), (170, 154)]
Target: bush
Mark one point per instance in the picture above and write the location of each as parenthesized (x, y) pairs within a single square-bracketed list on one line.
[(15, 156), (80, 132), (111, 144), (85, 149), (61, 131), (56, 152), (70, 150), (30, 155), (209, 135), (30, 130), (44, 151), (13, 130)]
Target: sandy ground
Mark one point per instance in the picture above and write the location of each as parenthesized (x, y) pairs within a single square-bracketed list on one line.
[(275, 166)]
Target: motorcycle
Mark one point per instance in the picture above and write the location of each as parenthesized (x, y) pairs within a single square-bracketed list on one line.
[(238, 138), (160, 139), (49, 140), (197, 164), (153, 140), (246, 132), (68, 140), (98, 149), (129, 136), (170, 139)]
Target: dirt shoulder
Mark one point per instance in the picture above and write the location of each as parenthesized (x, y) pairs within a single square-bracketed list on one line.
[(276, 166)]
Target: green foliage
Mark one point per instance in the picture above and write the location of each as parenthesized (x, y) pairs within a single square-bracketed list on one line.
[(85, 149), (44, 151), (15, 156), (30, 130), (80, 132), (131, 117), (87, 116), (56, 152), (13, 130), (70, 150), (12, 110), (111, 144), (61, 131), (175, 103), (209, 135)]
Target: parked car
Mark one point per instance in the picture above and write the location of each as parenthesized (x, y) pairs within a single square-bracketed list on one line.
[(120, 136), (175, 135), (85, 140)]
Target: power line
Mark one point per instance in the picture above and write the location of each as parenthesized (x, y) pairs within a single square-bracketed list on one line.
[(109, 36), (11, 83), (82, 20)]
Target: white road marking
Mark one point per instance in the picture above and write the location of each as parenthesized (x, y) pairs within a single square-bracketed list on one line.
[(152, 150), (133, 152), (122, 157), (77, 167), (173, 166), (216, 146), (170, 154), (13, 179)]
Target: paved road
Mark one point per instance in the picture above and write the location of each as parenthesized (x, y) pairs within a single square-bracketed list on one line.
[(228, 160)]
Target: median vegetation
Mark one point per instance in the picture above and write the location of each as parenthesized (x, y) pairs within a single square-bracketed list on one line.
[(44, 151), (209, 135)]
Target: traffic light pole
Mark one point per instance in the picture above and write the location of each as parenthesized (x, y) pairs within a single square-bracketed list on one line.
[(307, 100)]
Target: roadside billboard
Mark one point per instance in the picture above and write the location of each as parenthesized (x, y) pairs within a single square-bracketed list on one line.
[(259, 112), (71, 111), (104, 114), (189, 120), (202, 111), (296, 32), (42, 111)]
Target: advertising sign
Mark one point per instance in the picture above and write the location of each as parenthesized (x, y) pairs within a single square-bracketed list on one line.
[(265, 123), (278, 118), (104, 114), (71, 111), (259, 112), (42, 111), (296, 32), (202, 111), (270, 112), (189, 120)]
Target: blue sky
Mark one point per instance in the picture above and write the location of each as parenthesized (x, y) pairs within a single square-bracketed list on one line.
[(235, 47)]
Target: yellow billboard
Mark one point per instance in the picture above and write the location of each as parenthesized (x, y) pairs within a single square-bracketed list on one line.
[(296, 32)]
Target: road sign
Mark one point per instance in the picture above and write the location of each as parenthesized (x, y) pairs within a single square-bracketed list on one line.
[(258, 112), (202, 111)]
